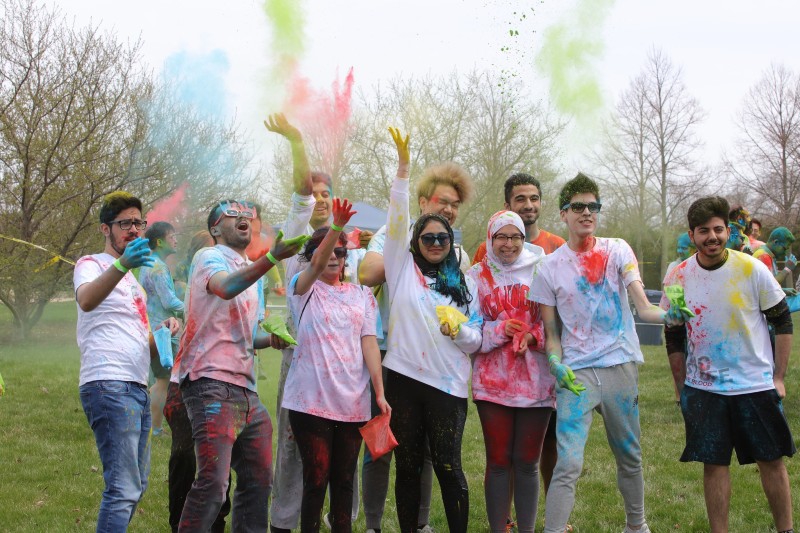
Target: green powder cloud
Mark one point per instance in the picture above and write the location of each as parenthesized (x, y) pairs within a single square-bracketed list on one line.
[(568, 57)]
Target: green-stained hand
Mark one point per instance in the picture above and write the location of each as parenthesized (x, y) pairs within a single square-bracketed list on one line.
[(565, 377), (277, 123), (275, 325), (402, 146), (283, 249)]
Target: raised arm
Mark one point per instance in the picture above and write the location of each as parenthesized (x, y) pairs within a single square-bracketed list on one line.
[(229, 285), (277, 123), (342, 212), (397, 220)]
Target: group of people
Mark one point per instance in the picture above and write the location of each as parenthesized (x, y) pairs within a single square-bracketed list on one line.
[(540, 328)]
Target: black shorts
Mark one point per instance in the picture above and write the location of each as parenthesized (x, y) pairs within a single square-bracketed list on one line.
[(752, 424)]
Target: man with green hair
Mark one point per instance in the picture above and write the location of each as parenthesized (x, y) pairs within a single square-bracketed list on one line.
[(779, 248)]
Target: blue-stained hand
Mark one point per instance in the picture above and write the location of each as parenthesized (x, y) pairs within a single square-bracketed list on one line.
[(565, 377), (137, 254)]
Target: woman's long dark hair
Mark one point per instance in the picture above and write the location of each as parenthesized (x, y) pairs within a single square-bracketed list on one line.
[(449, 280)]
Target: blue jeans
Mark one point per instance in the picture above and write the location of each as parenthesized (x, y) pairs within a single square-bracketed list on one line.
[(231, 429), (119, 414)]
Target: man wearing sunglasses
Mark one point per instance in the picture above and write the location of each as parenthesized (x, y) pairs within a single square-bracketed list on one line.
[(230, 425), (116, 348), (594, 352)]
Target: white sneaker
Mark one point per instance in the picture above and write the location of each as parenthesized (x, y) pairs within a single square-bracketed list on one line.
[(426, 529), (643, 529), (326, 519)]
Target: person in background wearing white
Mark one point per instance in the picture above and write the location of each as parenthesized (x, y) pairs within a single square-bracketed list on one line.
[(428, 364)]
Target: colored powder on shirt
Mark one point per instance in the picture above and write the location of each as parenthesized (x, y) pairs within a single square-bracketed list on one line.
[(593, 265)]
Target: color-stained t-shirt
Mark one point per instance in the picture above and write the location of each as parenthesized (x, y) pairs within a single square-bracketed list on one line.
[(498, 374), (765, 256), (729, 351), (416, 347), (328, 376), (113, 338), (162, 302), (589, 292), (217, 341), (549, 242)]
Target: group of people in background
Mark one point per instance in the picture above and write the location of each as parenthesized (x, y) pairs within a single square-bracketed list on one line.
[(546, 338)]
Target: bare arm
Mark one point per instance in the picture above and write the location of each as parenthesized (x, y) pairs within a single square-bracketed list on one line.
[(90, 295), (370, 271), (372, 358), (301, 174), (552, 336), (646, 311)]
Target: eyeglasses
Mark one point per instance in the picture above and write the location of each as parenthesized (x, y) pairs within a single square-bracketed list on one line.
[(246, 212), (503, 238), (579, 207), (432, 239), (340, 252), (126, 224)]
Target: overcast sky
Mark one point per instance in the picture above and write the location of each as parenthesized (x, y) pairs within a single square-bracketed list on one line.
[(723, 47)]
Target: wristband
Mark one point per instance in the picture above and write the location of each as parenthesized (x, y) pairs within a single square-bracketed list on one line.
[(116, 264), (271, 258), (553, 359), (334, 227)]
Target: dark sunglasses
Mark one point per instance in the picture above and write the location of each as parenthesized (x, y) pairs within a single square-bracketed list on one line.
[(340, 252), (430, 239), (579, 207)]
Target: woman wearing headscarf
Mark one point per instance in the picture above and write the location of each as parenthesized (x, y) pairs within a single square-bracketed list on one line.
[(428, 363), (511, 382)]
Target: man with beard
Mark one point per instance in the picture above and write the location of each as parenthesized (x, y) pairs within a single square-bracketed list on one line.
[(116, 347), (731, 386), (523, 195), (230, 425)]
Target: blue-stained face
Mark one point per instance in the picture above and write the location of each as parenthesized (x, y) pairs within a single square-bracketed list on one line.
[(736, 239)]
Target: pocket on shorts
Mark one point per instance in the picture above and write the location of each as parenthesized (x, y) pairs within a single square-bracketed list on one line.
[(114, 387), (211, 389)]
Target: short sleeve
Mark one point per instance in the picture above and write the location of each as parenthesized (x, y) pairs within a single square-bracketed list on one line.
[(369, 326), (542, 290), (627, 263), (209, 261), (86, 270)]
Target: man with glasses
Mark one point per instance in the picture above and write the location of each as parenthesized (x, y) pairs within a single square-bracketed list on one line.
[(116, 347), (230, 425), (594, 352)]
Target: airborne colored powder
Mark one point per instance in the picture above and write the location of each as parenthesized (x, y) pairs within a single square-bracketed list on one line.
[(287, 20), (568, 55), (171, 208)]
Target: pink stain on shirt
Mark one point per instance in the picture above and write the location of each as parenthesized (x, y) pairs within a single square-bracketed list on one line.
[(593, 265)]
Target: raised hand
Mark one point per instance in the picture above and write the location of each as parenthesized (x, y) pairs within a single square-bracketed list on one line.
[(137, 254), (277, 123), (342, 212), (286, 249), (402, 146), (365, 237), (564, 375)]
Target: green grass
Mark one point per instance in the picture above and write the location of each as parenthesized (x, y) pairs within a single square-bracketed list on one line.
[(52, 480)]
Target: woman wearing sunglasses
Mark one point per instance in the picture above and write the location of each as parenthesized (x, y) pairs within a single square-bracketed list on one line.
[(428, 364), (327, 388), (511, 382)]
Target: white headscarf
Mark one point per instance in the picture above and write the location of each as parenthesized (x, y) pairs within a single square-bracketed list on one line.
[(521, 270)]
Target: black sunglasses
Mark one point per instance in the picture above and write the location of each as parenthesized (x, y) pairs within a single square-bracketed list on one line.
[(340, 252), (430, 239), (579, 207)]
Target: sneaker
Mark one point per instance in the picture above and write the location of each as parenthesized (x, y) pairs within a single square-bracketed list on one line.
[(643, 529), (326, 519), (158, 432), (425, 529)]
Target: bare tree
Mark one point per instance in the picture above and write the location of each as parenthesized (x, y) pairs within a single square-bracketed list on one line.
[(767, 160)]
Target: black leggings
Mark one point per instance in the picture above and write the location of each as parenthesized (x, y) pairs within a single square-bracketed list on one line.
[(329, 450), (420, 411)]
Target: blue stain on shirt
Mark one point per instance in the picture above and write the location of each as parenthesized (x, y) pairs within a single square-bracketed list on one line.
[(213, 408)]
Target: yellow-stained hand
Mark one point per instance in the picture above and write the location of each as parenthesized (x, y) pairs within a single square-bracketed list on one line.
[(402, 146), (277, 123)]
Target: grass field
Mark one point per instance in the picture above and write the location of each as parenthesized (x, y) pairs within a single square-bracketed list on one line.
[(51, 480)]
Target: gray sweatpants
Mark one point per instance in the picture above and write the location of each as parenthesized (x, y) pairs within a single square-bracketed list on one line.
[(287, 483), (613, 392)]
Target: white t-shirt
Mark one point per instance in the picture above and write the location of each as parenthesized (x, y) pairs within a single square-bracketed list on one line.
[(113, 337), (415, 346), (328, 376), (728, 339), (589, 291)]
